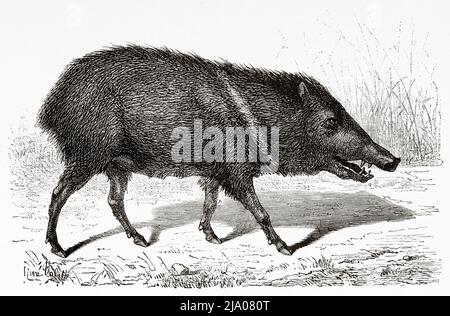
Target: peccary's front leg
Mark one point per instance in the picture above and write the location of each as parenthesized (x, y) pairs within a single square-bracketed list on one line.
[(211, 187), (118, 179), (251, 202)]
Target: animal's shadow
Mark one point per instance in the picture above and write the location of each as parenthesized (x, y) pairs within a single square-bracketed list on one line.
[(325, 212)]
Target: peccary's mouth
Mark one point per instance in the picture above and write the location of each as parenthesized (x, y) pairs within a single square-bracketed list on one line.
[(347, 170)]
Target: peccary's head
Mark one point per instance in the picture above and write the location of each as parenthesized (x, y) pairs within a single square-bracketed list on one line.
[(324, 137)]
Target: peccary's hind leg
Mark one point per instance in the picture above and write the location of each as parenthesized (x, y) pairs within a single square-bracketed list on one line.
[(209, 206), (72, 179), (118, 179)]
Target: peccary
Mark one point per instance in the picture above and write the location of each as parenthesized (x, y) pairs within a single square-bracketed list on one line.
[(114, 112)]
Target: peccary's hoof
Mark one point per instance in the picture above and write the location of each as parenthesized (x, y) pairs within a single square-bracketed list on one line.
[(59, 252), (140, 241), (285, 251), (282, 248), (214, 240)]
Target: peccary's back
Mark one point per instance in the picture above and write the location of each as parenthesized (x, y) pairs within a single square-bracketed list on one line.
[(128, 100)]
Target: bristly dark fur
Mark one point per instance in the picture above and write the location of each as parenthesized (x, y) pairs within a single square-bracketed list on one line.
[(258, 74), (62, 105)]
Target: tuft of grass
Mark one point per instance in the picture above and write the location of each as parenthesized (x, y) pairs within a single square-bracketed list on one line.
[(391, 91), (387, 271), (30, 148), (323, 263), (32, 157), (198, 279), (109, 273)]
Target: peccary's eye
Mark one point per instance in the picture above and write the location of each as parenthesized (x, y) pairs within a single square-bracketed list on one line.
[(331, 123)]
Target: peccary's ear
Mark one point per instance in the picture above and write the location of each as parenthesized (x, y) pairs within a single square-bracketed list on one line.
[(303, 90)]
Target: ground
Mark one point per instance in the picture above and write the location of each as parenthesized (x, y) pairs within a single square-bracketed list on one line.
[(343, 232)]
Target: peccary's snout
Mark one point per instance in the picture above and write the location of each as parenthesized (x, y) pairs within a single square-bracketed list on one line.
[(381, 157), (392, 165)]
